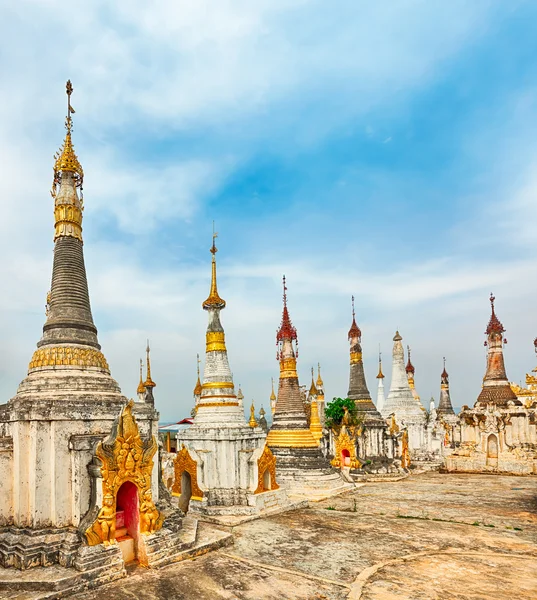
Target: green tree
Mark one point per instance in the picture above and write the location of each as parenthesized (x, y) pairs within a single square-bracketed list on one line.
[(335, 411)]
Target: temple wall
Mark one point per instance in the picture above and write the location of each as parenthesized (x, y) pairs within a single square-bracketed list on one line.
[(49, 482), (225, 461), (6, 479)]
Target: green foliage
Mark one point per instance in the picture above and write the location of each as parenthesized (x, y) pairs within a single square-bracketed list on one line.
[(335, 411)]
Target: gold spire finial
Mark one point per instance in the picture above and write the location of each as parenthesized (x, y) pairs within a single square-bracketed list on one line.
[(313, 389), (272, 395), (66, 159), (319, 382), (141, 386), (68, 206), (214, 300), (198, 389), (148, 381), (381, 374), (252, 422)]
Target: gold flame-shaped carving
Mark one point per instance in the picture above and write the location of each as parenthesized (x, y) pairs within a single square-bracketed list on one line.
[(125, 457)]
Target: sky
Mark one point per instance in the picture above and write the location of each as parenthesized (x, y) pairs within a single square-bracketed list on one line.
[(382, 150)]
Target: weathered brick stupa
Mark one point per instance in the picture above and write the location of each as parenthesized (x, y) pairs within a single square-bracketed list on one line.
[(76, 462), (223, 467), (401, 402), (499, 433), (301, 464)]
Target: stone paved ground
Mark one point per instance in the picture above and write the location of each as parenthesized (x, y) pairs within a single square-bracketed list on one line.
[(432, 536)]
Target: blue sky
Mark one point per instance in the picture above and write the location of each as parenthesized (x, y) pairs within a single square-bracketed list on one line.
[(385, 150)]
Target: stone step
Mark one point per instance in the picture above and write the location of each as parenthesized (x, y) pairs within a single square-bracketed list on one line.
[(209, 539)]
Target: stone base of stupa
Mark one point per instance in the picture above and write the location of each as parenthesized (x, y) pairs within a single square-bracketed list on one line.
[(85, 567), (306, 473), (264, 504), (496, 440), (226, 468), (470, 459)]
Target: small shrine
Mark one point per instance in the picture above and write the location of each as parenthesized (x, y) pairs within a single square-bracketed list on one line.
[(499, 434)]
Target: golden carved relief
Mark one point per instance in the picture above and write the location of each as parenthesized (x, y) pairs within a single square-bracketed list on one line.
[(216, 385), (356, 357), (288, 368), (184, 462), (68, 221), (67, 356), (344, 442), (266, 462), (215, 341), (207, 404), (125, 458)]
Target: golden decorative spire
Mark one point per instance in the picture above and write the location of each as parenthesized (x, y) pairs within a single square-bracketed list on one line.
[(272, 395), (66, 159), (313, 390), (319, 382), (381, 374), (198, 388), (68, 206), (149, 383), (214, 300), (252, 422), (141, 386)]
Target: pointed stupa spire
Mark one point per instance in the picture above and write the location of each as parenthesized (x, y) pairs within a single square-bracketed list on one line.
[(496, 388), (149, 383), (358, 390), (272, 397), (286, 330), (214, 300), (380, 389), (400, 400), (289, 427), (69, 342), (409, 366), (444, 405), (141, 387), (218, 405), (197, 388), (319, 383), (354, 331), (252, 423), (380, 373), (313, 389)]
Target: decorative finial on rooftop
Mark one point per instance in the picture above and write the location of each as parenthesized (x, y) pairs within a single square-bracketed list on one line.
[(198, 389), (313, 390), (319, 383), (272, 394), (381, 374), (409, 366), (286, 330), (214, 300), (354, 331), (141, 386), (66, 159), (148, 381), (494, 325)]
